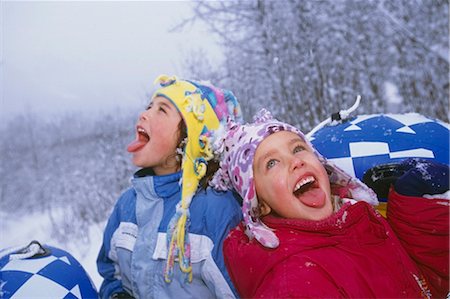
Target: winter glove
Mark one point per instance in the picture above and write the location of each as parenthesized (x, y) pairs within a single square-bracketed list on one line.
[(417, 177), (122, 295)]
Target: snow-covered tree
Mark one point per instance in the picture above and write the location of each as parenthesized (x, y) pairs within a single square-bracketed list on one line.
[(306, 59), (73, 168)]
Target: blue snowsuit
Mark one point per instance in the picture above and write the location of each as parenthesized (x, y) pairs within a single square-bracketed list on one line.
[(134, 251)]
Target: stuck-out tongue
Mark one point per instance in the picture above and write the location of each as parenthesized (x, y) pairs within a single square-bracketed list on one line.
[(136, 145), (314, 197)]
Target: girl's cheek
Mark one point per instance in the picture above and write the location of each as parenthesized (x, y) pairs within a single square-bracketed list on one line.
[(276, 180)]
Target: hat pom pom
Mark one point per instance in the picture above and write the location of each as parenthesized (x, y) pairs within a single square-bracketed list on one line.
[(264, 235), (262, 116)]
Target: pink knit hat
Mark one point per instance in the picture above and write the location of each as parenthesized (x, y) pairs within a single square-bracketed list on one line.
[(236, 171)]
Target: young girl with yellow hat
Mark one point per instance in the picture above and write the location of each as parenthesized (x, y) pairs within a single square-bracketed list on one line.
[(164, 236)]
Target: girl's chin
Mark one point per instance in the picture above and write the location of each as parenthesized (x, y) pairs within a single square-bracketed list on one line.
[(138, 162)]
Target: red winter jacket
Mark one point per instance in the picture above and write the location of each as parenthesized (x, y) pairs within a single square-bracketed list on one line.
[(353, 254), (422, 225)]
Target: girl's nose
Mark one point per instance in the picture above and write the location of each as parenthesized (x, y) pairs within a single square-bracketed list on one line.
[(297, 162), (143, 115)]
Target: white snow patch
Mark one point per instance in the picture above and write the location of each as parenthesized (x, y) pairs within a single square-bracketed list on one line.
[(445, 195)]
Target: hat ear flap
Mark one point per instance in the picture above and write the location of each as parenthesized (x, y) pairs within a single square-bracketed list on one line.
[(255, 228), (262, 234)]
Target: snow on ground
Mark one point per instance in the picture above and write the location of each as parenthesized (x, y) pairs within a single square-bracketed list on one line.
[(20, 231)]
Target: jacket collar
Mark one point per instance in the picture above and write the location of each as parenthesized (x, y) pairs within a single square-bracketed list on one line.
[(150, 185)]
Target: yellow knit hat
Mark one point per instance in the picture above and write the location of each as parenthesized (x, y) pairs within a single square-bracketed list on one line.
[(205, 109)]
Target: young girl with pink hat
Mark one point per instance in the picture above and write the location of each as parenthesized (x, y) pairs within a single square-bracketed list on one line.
[(309, 229)]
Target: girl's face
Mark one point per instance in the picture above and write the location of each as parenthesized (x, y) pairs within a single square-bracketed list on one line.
[(157, 137), (290, 180)]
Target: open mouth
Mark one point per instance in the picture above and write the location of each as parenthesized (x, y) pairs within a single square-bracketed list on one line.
[(304, 185), (142, 135), (309, 192), (142, 138)]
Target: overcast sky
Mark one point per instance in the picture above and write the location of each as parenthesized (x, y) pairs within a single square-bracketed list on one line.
[(61, 56)]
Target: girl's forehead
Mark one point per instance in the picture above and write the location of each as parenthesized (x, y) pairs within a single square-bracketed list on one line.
[(283, 136), (280, 141), (277, 141), (161, 99)]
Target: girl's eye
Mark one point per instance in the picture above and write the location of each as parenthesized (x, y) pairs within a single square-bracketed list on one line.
[(298, 148), (149, 106), (162, 109), (271, 163)]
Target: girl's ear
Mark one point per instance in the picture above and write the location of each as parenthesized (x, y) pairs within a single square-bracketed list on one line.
[(264, 208)]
